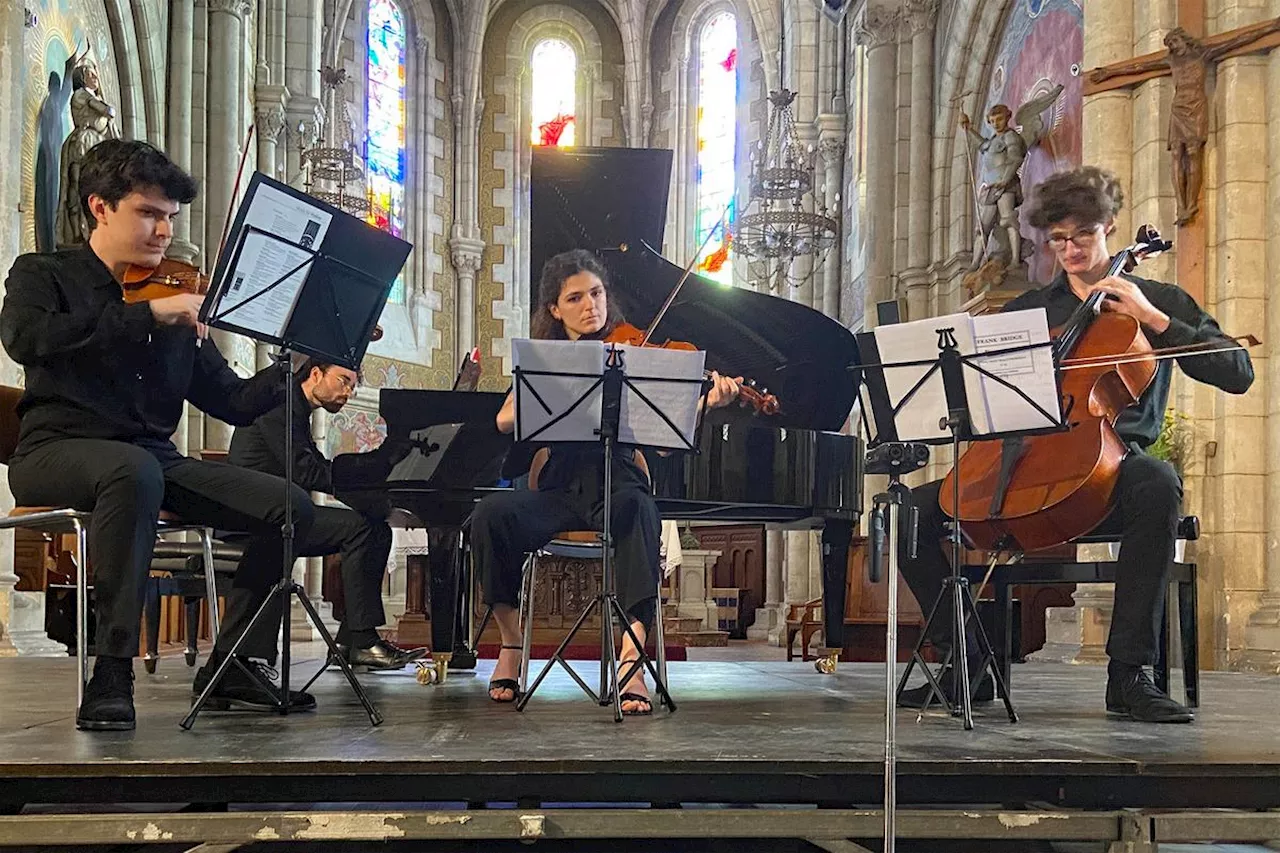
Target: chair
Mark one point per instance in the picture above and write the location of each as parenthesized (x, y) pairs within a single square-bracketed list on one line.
[(1183, 577), (805, 620), (64, 520)]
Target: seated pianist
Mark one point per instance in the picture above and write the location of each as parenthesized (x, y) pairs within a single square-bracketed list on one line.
[(362, 537), (566, 491)]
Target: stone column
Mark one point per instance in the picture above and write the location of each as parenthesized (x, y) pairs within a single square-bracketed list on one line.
[(831, 149), (1262, 635), (877, 32), (769, 620), (225, 39), (178, 143), (921, 16), (466, 255), (270, 102)]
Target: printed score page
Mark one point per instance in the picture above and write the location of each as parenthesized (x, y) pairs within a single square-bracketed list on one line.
[(1031, 371)]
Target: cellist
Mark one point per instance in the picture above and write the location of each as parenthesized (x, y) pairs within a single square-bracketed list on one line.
[(1076, 209), (105, 387)]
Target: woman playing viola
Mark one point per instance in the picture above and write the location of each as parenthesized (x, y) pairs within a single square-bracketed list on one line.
[(566, 491)]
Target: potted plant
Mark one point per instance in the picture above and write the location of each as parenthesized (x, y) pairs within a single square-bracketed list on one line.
[(1174, 442)]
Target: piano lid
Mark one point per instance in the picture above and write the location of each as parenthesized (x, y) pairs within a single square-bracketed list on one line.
[(602, 198)]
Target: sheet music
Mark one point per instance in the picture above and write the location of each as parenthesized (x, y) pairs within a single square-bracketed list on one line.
[(290, 218), (921, 417), (260, 264), (542, 398), (647, 370), (1031, 371)]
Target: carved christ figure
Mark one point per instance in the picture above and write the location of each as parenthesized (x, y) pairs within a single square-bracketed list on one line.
[(1188, 61)]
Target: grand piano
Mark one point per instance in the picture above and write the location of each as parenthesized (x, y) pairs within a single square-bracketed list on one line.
[(792, 469)]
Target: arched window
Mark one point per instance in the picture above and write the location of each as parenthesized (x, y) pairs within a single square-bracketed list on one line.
[(554, 68), (385, 122), (717, 134)]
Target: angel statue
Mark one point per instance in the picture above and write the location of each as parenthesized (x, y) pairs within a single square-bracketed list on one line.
[(93, 121), (1000, 189)]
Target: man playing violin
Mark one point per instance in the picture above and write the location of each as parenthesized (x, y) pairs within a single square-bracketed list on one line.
[(105, 387), (1076, 209), (363, 538)]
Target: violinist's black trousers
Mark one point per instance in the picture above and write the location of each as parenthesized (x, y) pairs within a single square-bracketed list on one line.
[(1148, 500), (506, 526), (125, 486)]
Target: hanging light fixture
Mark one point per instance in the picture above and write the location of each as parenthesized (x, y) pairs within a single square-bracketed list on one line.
[(337, 164), (784, 222)]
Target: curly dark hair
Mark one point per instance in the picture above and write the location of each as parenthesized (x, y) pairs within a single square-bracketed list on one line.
[(542, 325), (1089, 195), (116, 167)]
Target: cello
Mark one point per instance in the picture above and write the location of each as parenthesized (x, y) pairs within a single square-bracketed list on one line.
[(1035, 492)]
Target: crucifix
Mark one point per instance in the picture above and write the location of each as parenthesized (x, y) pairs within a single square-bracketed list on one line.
[(1187, 61)]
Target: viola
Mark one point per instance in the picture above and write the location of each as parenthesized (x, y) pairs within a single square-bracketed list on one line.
[(1036, 492), (758, 399)]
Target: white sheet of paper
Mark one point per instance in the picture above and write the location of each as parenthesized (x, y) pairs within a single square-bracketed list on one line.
[(261, 262), (558, 392), (290, 218), (920, 417), (648, 371), (1031, 371)]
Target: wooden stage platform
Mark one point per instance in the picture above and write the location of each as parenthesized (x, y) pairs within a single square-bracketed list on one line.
[(761, 739)]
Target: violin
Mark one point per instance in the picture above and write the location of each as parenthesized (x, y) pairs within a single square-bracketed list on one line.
[(1029, 493), (758, 399), (170, 278)]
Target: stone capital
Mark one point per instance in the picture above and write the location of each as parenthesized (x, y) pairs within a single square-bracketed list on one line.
[(238, 8), (304, 116), (270, 103), (920, 15), (466, 254), (831, 148), (423, 45), (877, 27)]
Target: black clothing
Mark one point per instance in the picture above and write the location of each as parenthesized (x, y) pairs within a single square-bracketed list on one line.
[(1148, 494), (1145, 518), (260, 446), (1232, 371), (126, 486), (98, 368), (364, 544), (363, 539), (105, 391), (506, 526)]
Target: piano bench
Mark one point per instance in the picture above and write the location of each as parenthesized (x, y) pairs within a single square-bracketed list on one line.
[(1182, 580)]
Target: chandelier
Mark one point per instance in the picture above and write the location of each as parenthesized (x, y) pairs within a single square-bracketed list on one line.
[(786, 232), (336, 164)]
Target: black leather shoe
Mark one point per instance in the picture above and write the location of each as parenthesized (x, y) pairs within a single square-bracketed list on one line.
[(916, 696), (381, 655), (237, 691), (1131, 693), (108, 697)]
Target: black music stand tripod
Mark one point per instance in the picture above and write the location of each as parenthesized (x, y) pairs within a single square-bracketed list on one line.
[(956, 596), (609, 386), (333, 344)]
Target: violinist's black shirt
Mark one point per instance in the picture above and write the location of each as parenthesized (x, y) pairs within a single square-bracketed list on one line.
[(1231, 370), (98, 368)]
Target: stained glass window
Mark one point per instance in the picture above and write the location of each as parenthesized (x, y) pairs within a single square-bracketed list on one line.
[(385, 122), (554, 67), (717, 131)]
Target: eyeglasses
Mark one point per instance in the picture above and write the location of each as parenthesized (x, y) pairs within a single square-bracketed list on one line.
[(1083, 237)]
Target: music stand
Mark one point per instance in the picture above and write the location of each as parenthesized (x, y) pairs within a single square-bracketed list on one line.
[(294, 262), (592, 392), (951, 367)]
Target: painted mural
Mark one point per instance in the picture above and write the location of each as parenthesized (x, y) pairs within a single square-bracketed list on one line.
[(1042, 46), (64, 33)]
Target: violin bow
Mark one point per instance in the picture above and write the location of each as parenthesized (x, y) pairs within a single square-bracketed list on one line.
[(688, 270), (235, 192), (1204, 348)]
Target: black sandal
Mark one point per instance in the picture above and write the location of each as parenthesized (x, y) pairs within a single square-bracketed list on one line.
[(511, 684), (636, 697)]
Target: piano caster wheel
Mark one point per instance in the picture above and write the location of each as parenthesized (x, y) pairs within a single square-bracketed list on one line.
[(442, 666), (426, 672), (827, 663), (150, 663)]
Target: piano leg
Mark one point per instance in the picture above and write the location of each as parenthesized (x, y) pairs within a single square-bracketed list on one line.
[(444, 559), (464, 656), (836, 536)]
